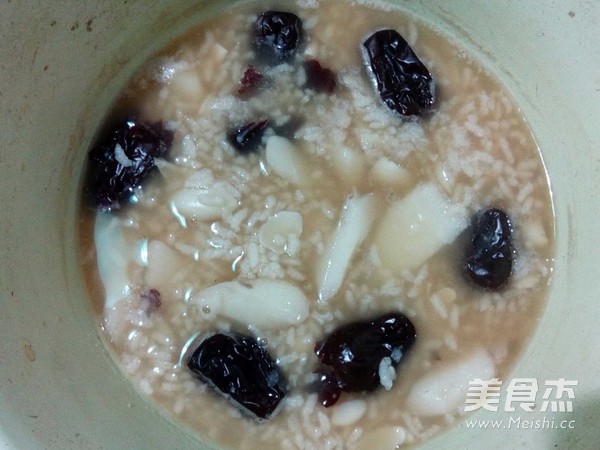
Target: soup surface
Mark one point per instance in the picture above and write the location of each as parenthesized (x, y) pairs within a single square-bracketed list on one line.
[(291, 201)]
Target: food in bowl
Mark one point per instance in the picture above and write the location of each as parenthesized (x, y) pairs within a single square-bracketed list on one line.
[(312, 227)]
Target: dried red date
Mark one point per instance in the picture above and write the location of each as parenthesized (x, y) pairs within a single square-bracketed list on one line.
[(490, 253), (403, 81), (121, 160), (329, 388), (250, 81), (242, 370), (247, 138), (319, 78), (277, 35), (353, 353)]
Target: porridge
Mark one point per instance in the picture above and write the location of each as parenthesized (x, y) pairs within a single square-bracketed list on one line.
[(311, 227)]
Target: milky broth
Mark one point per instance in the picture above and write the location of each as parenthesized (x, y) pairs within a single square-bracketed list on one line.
[(473, 151)]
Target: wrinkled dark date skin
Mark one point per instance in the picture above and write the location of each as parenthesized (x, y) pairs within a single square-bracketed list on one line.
[(277, 35), (319, 78), (353, 352), (110, 183), (490, 253), (246, 139), (403, 81), (241, 369), (250, 81)]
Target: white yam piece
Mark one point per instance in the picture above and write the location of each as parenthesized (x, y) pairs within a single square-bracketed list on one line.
[(163, 263), (113, 255), (349, 164), (444, 389), (276, 232), (349, 412), (387, 173), (285, 160), (186, 84), (218, 53), (204, 198), (355, 222), (167, 168), (265, 304), (417, 226), (384, 438)]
